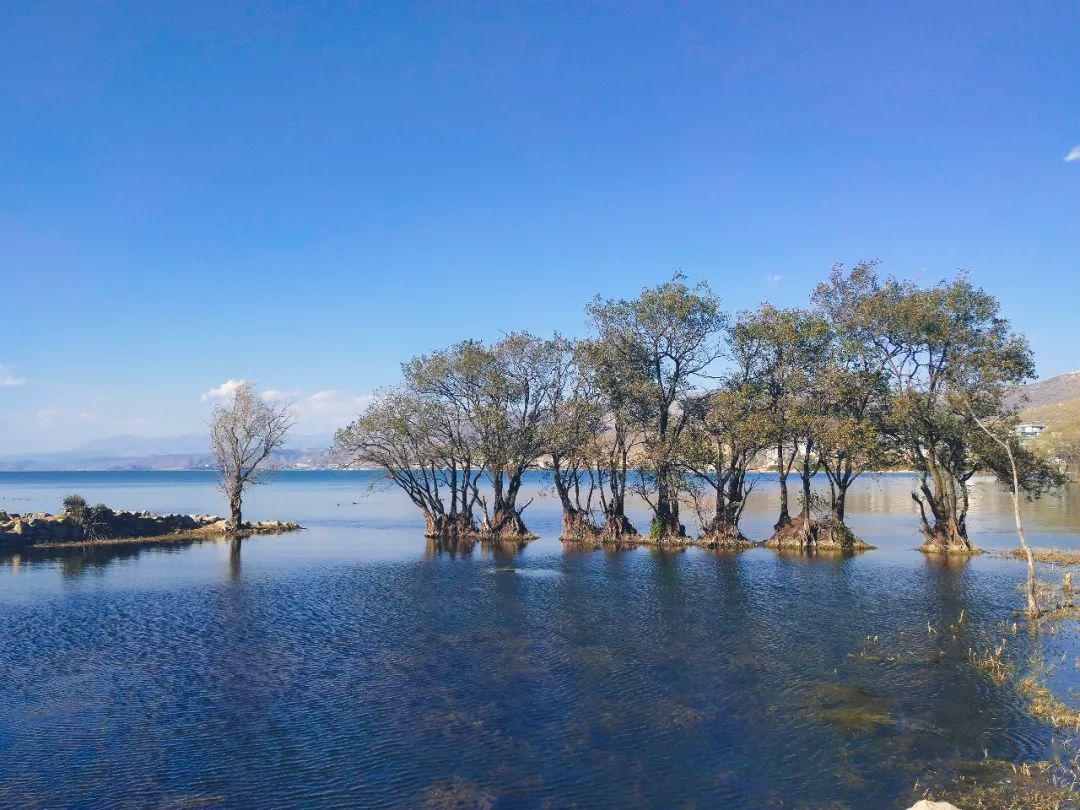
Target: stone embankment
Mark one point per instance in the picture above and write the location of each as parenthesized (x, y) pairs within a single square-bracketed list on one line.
[(40, 528)]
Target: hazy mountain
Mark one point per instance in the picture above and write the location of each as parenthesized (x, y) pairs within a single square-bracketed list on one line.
[(145, 445), (189, 451)]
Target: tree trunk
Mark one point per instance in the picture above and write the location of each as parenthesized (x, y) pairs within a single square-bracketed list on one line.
[(617, 528), (448, 527), (722, 533), (666, 520), (1032, 603), (840, 503), (236, 520), (947, 536), (578, 525), (782, 472), (505, 523)]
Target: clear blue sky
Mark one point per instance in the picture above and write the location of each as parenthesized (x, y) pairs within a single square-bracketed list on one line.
[(305, 194)]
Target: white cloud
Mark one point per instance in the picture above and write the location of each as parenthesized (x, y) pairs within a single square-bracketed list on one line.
[(223, 391), (320, 412), (7, 378), (772, 280), (329, 410), (1073, 155)]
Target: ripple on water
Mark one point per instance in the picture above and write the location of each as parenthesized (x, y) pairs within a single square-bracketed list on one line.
[(331, 674)]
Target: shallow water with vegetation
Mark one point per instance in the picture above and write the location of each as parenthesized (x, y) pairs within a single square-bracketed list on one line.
[(356, 663)]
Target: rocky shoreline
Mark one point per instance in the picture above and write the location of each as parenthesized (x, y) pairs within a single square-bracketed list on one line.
[(64, 529)]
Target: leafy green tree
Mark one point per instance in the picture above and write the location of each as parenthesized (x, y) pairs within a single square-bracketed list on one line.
[(468, 412), (942, 348), (422, 446), (729, 428), (853, 394), (660, 345), (576, 427), (790, 344), (610, 451)]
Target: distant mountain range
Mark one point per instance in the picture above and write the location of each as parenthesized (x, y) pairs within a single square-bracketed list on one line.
[(1054, 401), (188, 451)]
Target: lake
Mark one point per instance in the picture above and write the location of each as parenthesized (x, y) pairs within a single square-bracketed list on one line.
[(356, 664)]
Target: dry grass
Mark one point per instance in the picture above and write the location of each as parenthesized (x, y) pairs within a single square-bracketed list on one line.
[(1000, 785), (991, 662), (1061, 556), (1043, 703)]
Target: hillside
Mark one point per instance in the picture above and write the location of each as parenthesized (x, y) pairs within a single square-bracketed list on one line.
[(1055, 402), (1053, 390), (1062, 419)]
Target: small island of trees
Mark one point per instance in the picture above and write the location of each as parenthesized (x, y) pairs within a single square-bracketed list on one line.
[(671, 398)]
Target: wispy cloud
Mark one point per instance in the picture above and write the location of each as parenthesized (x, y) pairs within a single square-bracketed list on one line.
[(1074, 155), (321, 411), (223, 391), (8, 378), (772, 280), (329, 409)]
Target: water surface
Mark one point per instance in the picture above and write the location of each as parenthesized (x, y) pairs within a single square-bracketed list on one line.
[(356, 664)]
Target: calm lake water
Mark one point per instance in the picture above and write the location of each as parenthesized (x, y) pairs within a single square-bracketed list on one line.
[(354, 664)]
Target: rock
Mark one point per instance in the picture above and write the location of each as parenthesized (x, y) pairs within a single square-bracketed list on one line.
[(926, 804)]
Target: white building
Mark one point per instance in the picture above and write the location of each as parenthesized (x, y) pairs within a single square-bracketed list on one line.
[(1030, 430)]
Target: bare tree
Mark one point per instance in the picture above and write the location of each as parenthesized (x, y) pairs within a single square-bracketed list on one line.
[(243, 433), (1023, 473)]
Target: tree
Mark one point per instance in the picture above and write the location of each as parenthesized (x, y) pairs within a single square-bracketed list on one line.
[(576, 427), (853, 395), (504, 394), (422, 447), (940, 348), (244, 432), (1023, 473), (660, 344), (610, 451), (462, 414), (790, 344), (729, 428)]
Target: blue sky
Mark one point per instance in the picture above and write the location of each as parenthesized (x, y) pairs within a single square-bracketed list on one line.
[(306, 194)]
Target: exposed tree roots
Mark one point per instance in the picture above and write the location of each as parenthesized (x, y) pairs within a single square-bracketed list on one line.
[(947, 539), (724, 535), (578, 527), (804, 534)]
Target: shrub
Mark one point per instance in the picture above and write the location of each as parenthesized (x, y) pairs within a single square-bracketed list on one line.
[(98, 522), (75, 504)]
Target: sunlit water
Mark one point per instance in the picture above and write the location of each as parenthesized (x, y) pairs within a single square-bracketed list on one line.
[(353, 664)]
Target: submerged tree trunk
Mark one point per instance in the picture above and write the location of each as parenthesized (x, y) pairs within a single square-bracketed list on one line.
[(947, 536), (723, 533), (578, 525), (505, 523), (445, 527), (946, 498), (617, 528)]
